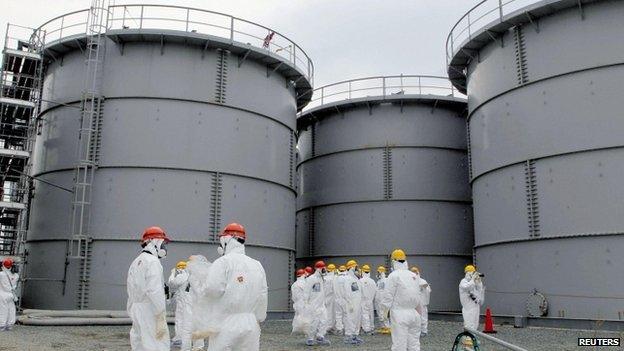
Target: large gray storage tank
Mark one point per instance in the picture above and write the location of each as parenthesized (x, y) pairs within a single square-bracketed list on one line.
[(197, 130), (546, 126), (382, 165)]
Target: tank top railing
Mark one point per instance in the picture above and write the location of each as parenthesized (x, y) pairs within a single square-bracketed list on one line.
[(484, 13), (185, 19), (383, 86)]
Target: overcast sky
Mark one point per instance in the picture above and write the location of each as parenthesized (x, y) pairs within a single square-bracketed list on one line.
[(345, 38)]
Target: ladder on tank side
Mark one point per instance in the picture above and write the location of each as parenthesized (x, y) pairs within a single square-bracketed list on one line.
[(21, 75), (92, 101)]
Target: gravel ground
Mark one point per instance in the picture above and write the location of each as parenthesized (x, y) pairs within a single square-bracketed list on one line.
[(276, 337)]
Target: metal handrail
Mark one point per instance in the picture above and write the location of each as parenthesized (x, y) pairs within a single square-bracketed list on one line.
[(228, 27), (383, 86), (482, 14)]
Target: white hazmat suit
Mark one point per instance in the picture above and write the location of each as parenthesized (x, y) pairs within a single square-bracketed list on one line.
[(197, 268), (237, 285), (179, 285), (8, 297), (471, 296), (349, 297), (146, 304), (300, 323), (369, 288), (381, 288), (314, 299), (330, 299), (338, 307), (425, 294), (402, 299)]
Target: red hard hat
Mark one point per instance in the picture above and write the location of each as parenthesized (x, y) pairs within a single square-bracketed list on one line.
[(154, 233), (234, 229), (8, 263), (309, 270), (319, 265), (300, 272)]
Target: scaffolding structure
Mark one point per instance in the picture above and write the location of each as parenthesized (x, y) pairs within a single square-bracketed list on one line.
[(20, 100)]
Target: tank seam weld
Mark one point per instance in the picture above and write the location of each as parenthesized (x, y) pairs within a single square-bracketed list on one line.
[(41, 115), (284, 248), (564, 236), (382, 148), (471, 113), (545, 157), (464, 202), (172, 169)]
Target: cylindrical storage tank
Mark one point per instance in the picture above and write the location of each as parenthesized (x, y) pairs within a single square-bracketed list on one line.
[(197, 130), (382, 165), (545, 138)]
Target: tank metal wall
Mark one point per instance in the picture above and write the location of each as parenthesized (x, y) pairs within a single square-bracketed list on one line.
[(547, 161), (391, 177), (178, 150)]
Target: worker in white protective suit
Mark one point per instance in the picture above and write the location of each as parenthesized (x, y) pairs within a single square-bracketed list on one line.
[(237, 285), (8, 295), (197, 268), (402, 300), (300, 321), (425, 294), (146, 294), (369, 288), (348, 293), (180, 289), (338, 308), (471, 296), (381, 288), (314, 295), (330, 298)]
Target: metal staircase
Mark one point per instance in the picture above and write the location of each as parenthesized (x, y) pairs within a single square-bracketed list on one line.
[(20, 91), (79, 247)]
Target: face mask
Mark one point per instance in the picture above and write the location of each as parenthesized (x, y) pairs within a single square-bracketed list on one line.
[(161, 248), (223, 241)]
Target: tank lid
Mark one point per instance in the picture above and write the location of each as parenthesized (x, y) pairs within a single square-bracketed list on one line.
[(369, 91), (191, 26), (487, 22)]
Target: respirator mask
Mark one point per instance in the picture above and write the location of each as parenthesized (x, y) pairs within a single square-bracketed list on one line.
[(157, 247), (223, 241)]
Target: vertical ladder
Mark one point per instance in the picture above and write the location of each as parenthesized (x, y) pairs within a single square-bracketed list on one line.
[(79, 247), (20, 91)]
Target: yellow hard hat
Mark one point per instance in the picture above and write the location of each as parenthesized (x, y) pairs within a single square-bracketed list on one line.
[(351, 264), (470, 268), (398, 255), (331, 267), (415, 269), (381, 269), (181, 265), (342, 268), (366, 268)]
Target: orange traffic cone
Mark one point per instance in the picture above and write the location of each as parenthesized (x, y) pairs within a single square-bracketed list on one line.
[(489, 322)]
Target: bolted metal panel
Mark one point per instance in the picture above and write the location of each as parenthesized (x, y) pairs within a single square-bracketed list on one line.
[(169, 155), (547, 156), (110, 261), (376, 175)]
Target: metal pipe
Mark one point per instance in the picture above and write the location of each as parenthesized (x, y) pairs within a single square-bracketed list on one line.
[(495, 340)]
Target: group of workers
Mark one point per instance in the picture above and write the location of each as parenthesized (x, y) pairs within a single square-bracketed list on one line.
[(343, 301), (223, 301)]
